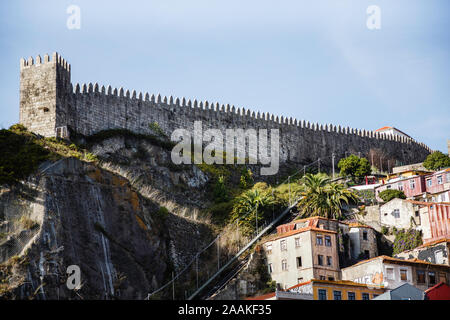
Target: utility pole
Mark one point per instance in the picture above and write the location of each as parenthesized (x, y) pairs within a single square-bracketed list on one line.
[(381, 165), (196, 268), (332, 162), (289, 184), (218, 253), (173, 287)]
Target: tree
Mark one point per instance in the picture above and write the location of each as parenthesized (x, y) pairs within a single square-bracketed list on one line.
[(437, 160), (389, 194), (250, 206), (354, 166), (324, 198)]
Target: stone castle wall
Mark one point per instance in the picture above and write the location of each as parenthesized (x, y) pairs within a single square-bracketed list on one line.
[(90, 108)]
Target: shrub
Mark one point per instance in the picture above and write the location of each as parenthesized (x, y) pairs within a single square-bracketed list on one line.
[(20, 155), (384, 230), (162, 212), (389, 194), (154, 126), (406, 240), (220, 192), (246, 179)]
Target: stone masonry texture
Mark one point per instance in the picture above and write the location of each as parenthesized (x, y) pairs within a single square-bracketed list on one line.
[(48, 100)]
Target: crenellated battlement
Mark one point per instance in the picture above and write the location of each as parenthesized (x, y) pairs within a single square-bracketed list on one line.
[(89, 107), (106, 93), (56, 59)]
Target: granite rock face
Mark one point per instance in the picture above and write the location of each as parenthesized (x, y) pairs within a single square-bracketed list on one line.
[(79, 214)]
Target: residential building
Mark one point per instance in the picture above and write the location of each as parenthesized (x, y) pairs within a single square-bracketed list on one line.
[(363, 241), (405, 291), (316, 289), (392, 131), (434, 220), (437, 252), (399, 213), (413, 186), (316, 248), (388, 272), (302, 254), (441, 291), (336, 290), (419, 185)]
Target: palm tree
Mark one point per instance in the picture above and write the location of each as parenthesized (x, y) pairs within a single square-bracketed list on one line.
[(323, 198)]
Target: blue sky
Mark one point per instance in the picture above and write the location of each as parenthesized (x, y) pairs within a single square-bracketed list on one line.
[(312, 60)]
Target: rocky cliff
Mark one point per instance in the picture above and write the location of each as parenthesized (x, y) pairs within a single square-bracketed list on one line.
[(89, 215)]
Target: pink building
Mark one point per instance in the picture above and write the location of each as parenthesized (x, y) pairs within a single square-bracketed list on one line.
[(412, 186), (435, 185)]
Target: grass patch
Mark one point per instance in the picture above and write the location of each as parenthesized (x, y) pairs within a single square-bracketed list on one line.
[(27, 223)]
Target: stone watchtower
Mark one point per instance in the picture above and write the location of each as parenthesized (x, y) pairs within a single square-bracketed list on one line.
[(45, 95)]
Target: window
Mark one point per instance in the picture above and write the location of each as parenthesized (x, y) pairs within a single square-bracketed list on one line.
[(319, 240), (283, 245), (365, 296), (432, 277), (442, 277), (367, 254), (299, 280), (396, 213), (320, 260), (270, 268), (297, 242), (403, 275), (439, 255), (328, 241), (412, 184), (322, 294), (439, 179), (429, 182), (299, 262), (329, 261), (351, 296), (321, 277), (269, 248), (364, 235), (330, 278), (284, 265), (400, 186), (337, 295), (417, 213), (420, 276), (390, 273)]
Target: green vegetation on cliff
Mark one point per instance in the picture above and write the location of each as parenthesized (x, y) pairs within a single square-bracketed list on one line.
[(22, 152)]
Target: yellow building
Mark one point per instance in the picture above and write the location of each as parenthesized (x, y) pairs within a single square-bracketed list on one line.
[(325, 290), (342, 290)]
